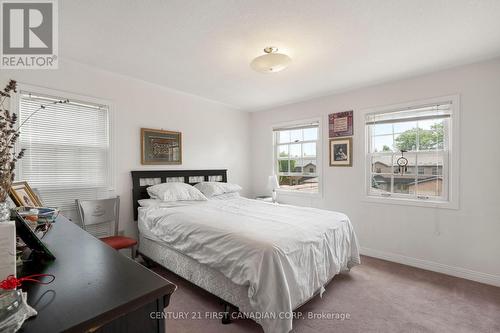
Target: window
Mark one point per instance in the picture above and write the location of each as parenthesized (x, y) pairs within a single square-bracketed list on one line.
[(296, 151), (421, 134), (68, 153)]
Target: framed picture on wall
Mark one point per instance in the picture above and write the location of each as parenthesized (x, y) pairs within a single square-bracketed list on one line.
[(341, 152), (340, 124), (160, 147), (22, 195)]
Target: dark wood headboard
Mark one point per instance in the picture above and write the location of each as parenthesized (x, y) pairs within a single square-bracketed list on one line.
[(142, 179)]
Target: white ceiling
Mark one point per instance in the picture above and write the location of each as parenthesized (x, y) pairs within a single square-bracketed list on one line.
[(204, 47)]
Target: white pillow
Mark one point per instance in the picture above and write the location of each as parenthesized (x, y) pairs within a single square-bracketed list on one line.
[(156, 203), (175, 192), (209, 189)]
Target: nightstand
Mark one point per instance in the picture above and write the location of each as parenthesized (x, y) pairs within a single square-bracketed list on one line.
[(265, 198)]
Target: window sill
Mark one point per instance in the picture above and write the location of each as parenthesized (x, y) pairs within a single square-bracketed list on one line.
[(411, 202)]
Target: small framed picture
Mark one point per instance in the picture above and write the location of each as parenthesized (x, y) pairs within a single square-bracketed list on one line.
[(23, 196), (340, 124), (341, 152), (160, 147)]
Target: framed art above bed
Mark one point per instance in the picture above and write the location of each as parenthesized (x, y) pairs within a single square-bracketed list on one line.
[(160, 147)]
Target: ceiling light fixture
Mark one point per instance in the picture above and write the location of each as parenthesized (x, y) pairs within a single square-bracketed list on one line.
[(270, 62)]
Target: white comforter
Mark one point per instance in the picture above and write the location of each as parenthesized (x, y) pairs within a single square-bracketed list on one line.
[(283, 253)]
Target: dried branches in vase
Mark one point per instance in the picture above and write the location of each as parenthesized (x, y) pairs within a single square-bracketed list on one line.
[(8, 138)]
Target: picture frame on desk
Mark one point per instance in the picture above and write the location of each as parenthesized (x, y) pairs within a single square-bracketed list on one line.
[(22, 195), (31, 239)]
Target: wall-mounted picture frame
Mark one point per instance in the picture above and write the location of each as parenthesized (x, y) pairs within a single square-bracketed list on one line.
[(23, 196), (341, 152), (340, 124), (161, 147)]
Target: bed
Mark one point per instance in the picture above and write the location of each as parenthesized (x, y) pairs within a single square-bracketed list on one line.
[(263, 259)]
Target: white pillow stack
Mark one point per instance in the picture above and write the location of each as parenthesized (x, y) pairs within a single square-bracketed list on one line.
[(175, 192), (156, 203), (211, 189)]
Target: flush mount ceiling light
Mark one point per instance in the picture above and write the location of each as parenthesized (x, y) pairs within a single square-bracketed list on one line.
[(270, 62)]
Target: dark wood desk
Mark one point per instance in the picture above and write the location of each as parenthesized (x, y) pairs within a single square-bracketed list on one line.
[(96, 288)]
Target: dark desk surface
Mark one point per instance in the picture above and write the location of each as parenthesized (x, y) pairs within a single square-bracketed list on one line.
[(94, 283)]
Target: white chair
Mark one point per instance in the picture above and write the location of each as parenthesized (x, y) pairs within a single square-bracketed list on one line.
[(105, 212)]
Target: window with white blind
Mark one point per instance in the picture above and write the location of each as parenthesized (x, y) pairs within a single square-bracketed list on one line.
[(68, 149), (409, 155), (296, 155)]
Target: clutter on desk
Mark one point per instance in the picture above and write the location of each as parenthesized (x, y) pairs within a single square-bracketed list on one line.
[(14, 310), (38, 219), (38, 214)]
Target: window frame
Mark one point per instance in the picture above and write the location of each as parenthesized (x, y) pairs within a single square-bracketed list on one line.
[(319, 156), (15, 105), (451, 158)]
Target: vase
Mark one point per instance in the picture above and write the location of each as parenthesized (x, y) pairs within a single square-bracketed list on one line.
[(4, 212)]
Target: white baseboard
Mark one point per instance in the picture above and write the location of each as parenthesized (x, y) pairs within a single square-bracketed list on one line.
[(434, 266)]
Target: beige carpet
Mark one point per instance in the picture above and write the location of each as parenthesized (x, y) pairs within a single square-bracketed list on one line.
[(378, 296)]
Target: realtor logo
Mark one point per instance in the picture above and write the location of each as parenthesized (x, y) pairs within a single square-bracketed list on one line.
[(29, 34)]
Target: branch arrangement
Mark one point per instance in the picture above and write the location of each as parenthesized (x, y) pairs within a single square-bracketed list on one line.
[(8, 138)]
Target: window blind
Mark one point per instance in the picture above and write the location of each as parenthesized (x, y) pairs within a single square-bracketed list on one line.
[(434, 111), (296, 127), (67, 153)]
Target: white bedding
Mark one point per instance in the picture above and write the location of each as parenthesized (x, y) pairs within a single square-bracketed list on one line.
[(282, 253)]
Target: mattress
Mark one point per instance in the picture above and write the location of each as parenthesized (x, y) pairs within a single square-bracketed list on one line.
[(280, 255)]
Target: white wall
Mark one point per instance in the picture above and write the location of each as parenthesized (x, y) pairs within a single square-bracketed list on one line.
[(463, 242), (213, 135)]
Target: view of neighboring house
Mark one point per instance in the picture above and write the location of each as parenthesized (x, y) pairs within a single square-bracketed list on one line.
[(425, 177), (309, 168), (301, 182)]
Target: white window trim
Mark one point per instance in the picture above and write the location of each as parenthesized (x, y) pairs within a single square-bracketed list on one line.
[(319, 159), (453, 186), (14, 106)]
